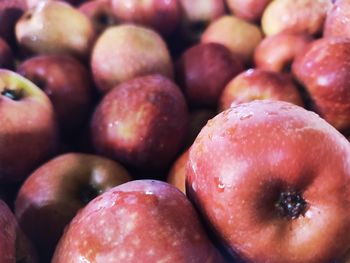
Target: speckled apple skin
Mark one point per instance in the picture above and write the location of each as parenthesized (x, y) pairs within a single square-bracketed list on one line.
[(145, 220), (246, 156), (336, 24), (324, 71), (142, 122), (250, 10)]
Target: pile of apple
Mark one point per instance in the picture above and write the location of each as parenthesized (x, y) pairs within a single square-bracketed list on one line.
[(175, 131)]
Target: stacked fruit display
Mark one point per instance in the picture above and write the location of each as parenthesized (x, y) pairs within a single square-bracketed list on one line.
[(175, 131)]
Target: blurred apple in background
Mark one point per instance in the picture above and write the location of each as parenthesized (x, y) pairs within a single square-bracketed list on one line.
[(297, 16), (161, 15), (55, 27), (257, 84), (6, 55), (203, 71), (28, 128), (238, 35), (337, 20), (324, 71), (34, 3), (250, 10), (100, 13), (52, 195), (148, 220), (127, 51), (141, 123), (177, 173), (67, 83), (277, 52), (273, 180)]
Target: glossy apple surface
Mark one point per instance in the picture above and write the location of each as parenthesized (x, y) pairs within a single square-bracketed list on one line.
[(336, 24), (28, 128), (144, 219), (273, 180), (250, 10)]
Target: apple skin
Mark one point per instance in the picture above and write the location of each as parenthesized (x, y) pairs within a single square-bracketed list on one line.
[(100, 13), (336, 24), (258, 84), (202, 11), (238, 35), (143, 219), (177, 173), (277, 52), (323, 71), (141, 123), (28, 128), (297, 16), (14, 245), (6, 55), (55, 27), (124, 52), (34, 3), (204, 70), (161, 15), (52, 195), (67, 83), (249, 160), (250, 10)]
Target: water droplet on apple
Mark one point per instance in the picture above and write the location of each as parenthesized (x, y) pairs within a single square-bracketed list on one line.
[(247, 115)]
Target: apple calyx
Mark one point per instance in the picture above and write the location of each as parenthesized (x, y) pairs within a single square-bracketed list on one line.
[(291, 204), (13, 94)]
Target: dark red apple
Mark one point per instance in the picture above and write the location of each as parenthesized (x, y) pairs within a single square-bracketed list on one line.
[(28, 128), (127, 51), (324, 70), (141, 122), (257, 84), (161, 15), (250, 10), (6, 55), (337, 20), (177, 173), (273, 181), (145, 220), (67, 83), (277, 52), (52, 195), (204, 70)]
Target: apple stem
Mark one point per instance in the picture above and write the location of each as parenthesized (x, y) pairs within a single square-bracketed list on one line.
[(291, 204), (12, 94)]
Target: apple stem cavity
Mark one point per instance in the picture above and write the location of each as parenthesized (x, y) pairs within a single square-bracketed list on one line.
[(291, 204), (13, 94)]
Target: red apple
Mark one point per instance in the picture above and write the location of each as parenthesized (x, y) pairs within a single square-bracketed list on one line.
[(145, 220), (52, 195), (161, 15), (14, 246), (6, 55), (257, 84), (202, 11), (127, 51), (337, 20), (141, 122), (67, 83), (250, 10), (297, 16), (324, 71), (204, 70), (277, 52), (28, 129), (177, 173), (273, 180), (238, 35), (55, 27), (34, 3)]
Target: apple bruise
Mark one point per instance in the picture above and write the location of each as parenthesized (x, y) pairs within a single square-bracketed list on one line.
[(13, 94)]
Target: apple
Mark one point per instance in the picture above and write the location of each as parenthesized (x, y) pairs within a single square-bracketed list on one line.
[(272, 179), (28, 128), (67, 83), (14, 246), (144, 219), (161, 15), (250, 10), (323, 71), (177, 172), (6, 55), (100, 13), (55, 27), (52, 195), (34, 3), (238, 35), (277, 52), (141, 123), (204, 70), (258, 84), (126, 51), (297, 16), (336, 24), (202, 11)]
